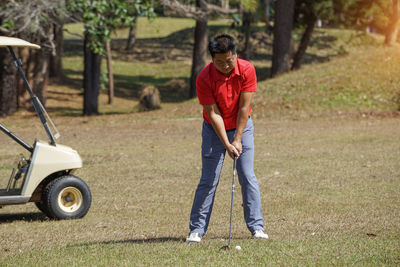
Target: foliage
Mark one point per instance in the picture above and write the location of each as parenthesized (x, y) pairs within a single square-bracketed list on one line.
[(336, 86), (32, 19), (104, 81), (362, 13), (101, 17), (250, 5), (322, 8)]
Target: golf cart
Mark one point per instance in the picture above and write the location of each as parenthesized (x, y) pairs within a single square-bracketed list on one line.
[(45, 177)]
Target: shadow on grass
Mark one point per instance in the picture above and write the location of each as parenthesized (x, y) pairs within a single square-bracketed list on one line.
[(27, 217), (260, 56), (73, 47), (263, 73), (151, 49), (156, 49), (132, 241), (65, 111), (75, 83), (322, 41), (178, 47), (127, 86), (58, 96)]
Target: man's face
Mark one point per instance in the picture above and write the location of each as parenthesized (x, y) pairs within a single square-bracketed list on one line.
[(225, 63)]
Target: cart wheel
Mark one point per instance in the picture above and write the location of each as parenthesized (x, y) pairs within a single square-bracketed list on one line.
[(67, 197), (41, 207)]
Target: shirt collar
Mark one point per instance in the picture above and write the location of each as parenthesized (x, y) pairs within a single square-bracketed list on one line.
[(220, 76)]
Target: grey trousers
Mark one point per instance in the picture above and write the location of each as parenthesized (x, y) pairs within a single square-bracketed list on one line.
[(213, 155)]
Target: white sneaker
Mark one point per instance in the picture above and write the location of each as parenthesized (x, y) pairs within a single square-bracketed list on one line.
[(259, 234), (194, 237)]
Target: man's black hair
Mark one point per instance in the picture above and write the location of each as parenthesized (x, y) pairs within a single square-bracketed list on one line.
[(222, 44)]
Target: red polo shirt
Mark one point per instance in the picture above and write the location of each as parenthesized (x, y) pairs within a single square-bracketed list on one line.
[(214, 88)]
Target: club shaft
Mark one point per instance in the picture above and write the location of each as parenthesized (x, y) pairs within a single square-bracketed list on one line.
[(233, 191)]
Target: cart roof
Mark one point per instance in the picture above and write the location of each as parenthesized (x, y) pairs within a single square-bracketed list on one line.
[(11, 41)]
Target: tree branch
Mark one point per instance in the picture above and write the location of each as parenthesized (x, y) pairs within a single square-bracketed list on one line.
[(220, 10), (188, 11), (33, 19), (184, 10), (74, 34)]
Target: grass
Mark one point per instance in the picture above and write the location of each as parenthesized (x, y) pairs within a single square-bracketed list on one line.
[(329, 194), (155, 28), (340, 86), (355, 73), (327, 150), (173, 253)]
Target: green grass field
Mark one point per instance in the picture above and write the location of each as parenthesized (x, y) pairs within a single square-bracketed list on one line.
[(344, 71), (329, 193), (327, 160)]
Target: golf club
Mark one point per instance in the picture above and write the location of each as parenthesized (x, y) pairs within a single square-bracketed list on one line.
[(233, 191)]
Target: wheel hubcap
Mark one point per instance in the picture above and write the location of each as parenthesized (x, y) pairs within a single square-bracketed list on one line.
[(70, 199)]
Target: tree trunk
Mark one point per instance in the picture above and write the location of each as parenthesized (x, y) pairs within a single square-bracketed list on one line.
[(267, 17), (41, 74), (91, 80), (305, 40), (282, 36), (35, 64), (130, 43), (110, 73), (225, 4), (56, 60), (337, 11), (200, 48), (23, 98), (8, 85), (247, 19), (393, 27)]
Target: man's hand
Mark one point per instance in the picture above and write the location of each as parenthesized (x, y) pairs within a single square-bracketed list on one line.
[(238, 146), (233, 151)]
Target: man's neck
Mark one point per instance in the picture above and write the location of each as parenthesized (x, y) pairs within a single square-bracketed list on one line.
[(226, 74)]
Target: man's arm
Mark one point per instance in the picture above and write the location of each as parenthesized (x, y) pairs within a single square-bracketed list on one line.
[(242, 117), (218, 124)]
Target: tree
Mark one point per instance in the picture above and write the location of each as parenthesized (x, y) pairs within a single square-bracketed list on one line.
[(95, 33), (200, 13), (392, 28), (100, 18), (200, 47), (109, 72), (225, 4), (131, 40), (55, 66), (8, 95), (338, 13), (137, 8), (33, 21), (284, 12), (8, 92), (250, 7), (382, 15), (306, 14)]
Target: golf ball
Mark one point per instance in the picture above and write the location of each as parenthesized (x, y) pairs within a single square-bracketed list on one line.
[(238, 248)]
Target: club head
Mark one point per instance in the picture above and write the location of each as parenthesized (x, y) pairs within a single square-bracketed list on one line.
[(225, 248)]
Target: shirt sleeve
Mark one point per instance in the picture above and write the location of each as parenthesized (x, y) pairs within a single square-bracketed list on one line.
[(250, 79), (204, 90)]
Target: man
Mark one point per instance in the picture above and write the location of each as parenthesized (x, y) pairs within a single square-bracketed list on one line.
[(225, 88)]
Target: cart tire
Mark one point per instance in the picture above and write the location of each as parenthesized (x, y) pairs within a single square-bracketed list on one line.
[(67, 197), (41, 207)]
